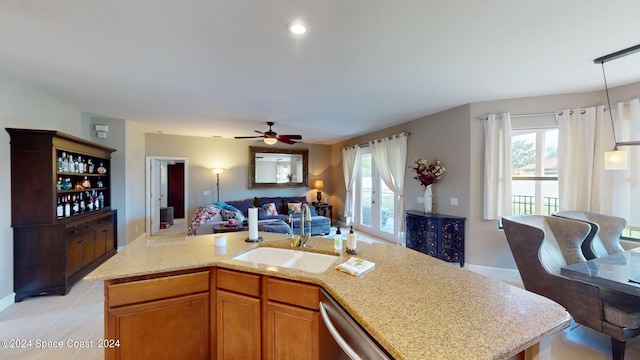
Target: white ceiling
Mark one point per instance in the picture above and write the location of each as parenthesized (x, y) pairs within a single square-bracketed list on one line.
[(225, 67)]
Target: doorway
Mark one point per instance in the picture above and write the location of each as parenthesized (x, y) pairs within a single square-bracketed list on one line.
[(166, 200)]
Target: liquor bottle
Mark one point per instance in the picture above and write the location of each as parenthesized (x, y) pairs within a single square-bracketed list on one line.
[(96, 202), (59, 164), (89, 201), (72, 164), (65, 162), (101, 200), (76, 163), (82, 204), (67, 207), (90, 166), (74, 205), (60, 208)]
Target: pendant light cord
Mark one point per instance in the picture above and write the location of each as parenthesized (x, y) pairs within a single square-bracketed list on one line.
[(606, 89)]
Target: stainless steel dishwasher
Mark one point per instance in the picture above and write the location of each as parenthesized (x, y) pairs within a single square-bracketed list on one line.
[(353, 342)]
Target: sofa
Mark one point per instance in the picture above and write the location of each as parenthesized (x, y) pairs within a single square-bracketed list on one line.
[(269, 209)]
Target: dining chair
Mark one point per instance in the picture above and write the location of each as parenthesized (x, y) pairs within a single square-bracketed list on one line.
[(604, 238), (541, 246)]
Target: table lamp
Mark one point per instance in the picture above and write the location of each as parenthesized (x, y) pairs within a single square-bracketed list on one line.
[(319, 184)]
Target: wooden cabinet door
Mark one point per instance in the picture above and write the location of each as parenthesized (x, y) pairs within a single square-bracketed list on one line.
[(104, 235), (74, 250), (176, 328), (291, 332), (238, 326)]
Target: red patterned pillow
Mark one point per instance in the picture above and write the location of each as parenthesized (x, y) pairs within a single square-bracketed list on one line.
[(271, 209)]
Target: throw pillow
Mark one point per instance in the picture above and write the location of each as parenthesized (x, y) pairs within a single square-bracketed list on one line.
[(271, 209), (294, 208), (227, 214)]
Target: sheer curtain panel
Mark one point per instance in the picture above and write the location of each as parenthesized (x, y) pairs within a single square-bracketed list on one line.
[(576, 159), (497, 166), (625, 184), (390, 157), (350, 165)]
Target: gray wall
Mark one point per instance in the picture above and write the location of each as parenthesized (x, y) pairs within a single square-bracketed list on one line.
[(23, 107)]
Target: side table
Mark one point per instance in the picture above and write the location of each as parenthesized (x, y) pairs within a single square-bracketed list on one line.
[(323, 208)]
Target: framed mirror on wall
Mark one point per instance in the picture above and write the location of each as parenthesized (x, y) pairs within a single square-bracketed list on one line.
[(271, 167)]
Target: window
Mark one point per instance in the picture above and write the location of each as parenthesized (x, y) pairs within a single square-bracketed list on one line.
[(534, 163)]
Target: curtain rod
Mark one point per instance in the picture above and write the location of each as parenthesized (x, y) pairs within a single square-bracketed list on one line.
[(551, 113), (406, 133)]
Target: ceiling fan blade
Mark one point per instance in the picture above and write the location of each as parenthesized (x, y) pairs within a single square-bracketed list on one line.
[(286, 141), (247, 137), (293, 137), (259, 132)]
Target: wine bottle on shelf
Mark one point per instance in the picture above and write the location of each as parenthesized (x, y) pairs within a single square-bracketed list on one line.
[(67, 207), (59, 163), (90, 170), (101, 200), (77, 164), (60, 208)]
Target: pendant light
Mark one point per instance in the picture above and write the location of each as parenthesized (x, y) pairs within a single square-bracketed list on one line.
[(615, 159)]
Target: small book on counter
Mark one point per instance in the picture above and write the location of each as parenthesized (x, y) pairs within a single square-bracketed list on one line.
[(356, 266)]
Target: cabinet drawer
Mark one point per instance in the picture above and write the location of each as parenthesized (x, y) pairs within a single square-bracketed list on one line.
[(155, 289), (243, 283), (294, 293)]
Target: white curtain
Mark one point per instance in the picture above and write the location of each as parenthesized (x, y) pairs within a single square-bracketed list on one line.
[(350, 165), (578, 170), (625, 184), (497, 166), (390, 157)]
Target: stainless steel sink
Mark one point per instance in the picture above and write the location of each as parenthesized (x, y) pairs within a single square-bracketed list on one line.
[(288, 258)]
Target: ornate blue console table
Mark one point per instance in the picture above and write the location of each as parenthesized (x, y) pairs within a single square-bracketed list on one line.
[(441, 236)]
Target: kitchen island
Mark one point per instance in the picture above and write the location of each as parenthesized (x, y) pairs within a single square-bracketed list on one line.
[(413, 305)]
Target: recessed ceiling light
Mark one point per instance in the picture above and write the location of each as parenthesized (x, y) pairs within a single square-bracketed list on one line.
[(297, 28)]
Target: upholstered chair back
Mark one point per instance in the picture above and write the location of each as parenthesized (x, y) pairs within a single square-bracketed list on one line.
[(606, 232)]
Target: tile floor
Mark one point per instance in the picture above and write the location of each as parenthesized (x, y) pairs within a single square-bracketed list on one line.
[(78, 317)]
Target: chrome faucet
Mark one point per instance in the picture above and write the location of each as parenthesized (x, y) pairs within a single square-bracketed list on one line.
[(305, 217)]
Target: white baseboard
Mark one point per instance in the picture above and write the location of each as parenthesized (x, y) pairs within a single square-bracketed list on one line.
[(7, 301)]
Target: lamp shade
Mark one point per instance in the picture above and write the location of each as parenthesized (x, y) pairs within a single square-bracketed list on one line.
[(615, 160), (318, 184), (270, 140), (217, 170)]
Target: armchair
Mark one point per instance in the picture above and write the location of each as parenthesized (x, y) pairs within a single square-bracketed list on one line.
[(541, 246), (604, 238)]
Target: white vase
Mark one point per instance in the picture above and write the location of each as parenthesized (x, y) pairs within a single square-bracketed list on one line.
[(428, 200)]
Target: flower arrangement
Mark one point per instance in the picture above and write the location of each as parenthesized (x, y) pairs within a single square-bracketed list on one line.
[(428, 174)]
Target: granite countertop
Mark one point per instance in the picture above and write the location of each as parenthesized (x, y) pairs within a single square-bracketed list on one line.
[(415, 306)]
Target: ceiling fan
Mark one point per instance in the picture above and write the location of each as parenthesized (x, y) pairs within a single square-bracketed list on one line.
[(270, 137)]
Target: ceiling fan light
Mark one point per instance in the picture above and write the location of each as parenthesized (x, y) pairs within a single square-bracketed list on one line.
[(615, 160), (270, 140)]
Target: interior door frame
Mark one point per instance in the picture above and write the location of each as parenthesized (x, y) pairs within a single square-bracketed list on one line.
[(149, 215)]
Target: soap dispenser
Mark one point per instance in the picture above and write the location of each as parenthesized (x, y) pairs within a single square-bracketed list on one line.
[(337, 241), (351, 242)]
